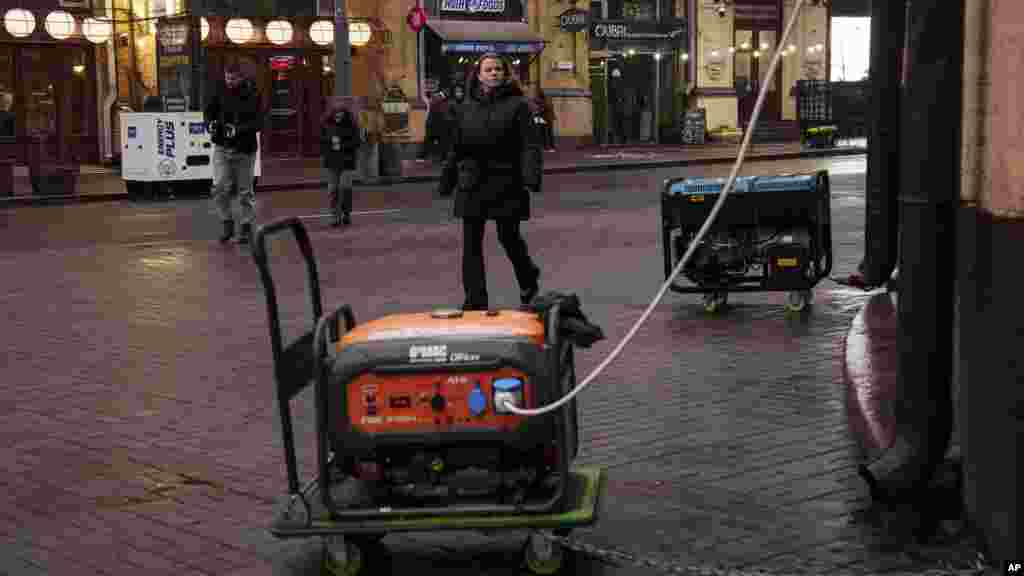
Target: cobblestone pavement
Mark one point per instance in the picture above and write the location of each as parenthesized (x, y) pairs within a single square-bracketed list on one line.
[(142, 437)]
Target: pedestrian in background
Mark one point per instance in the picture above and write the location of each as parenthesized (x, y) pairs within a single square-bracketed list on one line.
[(492, 171), (7, 119), (339, 143), (234, 116), (438, 129)]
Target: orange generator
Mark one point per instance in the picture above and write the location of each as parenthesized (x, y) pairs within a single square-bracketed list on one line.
[(412, 433)]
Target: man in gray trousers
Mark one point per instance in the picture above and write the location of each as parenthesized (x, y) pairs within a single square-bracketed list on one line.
[(234, 116)]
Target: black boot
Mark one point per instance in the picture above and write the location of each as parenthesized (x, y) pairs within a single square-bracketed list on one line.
[(246, 233), (526, 296), (346, 206), (229, 231), (346, 219)]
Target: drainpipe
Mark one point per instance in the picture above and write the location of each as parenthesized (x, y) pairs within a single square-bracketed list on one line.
[(106, 116), (930, 190), (888, 23)]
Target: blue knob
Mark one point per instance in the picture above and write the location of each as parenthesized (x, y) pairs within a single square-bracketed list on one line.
[(477, 401)]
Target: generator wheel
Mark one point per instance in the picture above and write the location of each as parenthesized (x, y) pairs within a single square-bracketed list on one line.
[(352, 565), (798, 301), (542, 556), (715, 301)]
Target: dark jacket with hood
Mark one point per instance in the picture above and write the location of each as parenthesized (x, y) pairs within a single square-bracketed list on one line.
[(241, 107), (495, 155), (339, 154)]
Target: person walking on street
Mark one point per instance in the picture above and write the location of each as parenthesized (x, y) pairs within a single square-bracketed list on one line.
[(491, 170), (234, 116), (339, 142), (437, 139)]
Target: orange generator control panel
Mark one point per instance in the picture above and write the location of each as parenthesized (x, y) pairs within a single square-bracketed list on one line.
[(424, 402)]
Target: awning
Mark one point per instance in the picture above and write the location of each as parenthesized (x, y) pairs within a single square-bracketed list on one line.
[(478, 36)]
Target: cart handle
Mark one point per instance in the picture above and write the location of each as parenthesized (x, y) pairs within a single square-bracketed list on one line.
[(259, 253)]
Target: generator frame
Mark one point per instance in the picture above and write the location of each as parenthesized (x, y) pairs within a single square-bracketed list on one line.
[(683, 214), (309, 510)]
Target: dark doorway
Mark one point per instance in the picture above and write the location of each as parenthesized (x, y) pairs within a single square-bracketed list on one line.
[(631, 93)]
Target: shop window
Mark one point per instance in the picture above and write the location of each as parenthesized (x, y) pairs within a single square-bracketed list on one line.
[(41, 103), (79, 92), (8, 118)]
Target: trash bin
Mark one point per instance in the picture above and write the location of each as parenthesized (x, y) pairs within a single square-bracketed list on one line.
[(49, 176)]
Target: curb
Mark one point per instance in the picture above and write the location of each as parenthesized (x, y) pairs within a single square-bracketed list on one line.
[(386, 181)]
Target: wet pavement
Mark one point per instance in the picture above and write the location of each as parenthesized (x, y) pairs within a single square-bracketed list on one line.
[(140, 419)]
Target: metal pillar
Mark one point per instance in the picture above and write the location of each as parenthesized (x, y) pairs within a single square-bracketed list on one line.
[(342, 52), (930, 191), (195, 38), (888, 21)]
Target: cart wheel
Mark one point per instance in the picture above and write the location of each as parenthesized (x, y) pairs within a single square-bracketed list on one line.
[(334, 564), (542, 556), (715, 301), (798, 301)]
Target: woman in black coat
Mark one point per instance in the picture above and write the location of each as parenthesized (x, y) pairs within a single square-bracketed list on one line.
[(493, 169)]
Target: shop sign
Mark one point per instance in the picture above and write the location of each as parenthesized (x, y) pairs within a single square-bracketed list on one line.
[(573, 20), (629, 30), (473, 6), (499, 47)]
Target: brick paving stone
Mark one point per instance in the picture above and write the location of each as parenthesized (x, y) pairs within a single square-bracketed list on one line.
[(145, 395)]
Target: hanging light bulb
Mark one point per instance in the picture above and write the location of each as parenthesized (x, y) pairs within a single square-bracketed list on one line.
[(19, 22)]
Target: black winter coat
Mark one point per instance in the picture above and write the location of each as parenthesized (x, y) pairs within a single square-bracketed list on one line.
[(347, 133), (495, 156), (241, 107)]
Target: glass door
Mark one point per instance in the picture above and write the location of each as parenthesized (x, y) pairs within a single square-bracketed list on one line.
[(283, 130), (40, 101), (754, 49)]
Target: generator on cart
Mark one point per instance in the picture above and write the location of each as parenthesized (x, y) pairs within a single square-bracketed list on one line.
[(774, 233), (412, 433)]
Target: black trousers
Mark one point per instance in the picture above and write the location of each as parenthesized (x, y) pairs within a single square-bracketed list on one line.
[(474, 278)]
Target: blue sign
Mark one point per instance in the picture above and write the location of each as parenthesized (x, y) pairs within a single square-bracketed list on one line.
[(499, 47), (165, 138), (132, 132), (196, 128)]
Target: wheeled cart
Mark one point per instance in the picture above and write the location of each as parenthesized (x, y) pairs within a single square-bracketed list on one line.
[(774, 233), (411, 429)]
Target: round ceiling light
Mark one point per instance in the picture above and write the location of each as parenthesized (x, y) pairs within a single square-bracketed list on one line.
[(322, 32), (359, 33), (60, 24), (19, 22), (239, 30), (97, 31), (279, 32)]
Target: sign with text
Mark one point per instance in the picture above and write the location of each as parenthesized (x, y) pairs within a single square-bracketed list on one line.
[(482, 9), (638, 31), (573, 20), (471, 6)]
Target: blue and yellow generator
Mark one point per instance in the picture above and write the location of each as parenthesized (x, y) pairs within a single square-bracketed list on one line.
[(774, 233)]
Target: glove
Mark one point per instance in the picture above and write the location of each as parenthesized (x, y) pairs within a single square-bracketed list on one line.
[(229, 130), (212, 126)]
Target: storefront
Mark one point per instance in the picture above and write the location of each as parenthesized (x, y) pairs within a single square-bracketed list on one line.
[(637, 62), (462, 30), (734, 44), (291, 60), (48, 103)]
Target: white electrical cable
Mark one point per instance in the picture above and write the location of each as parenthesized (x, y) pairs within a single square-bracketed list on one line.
[(700, 234)]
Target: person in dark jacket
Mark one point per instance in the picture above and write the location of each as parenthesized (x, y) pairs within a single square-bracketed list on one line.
[(339, 143), (492, 171), (234, 116)]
